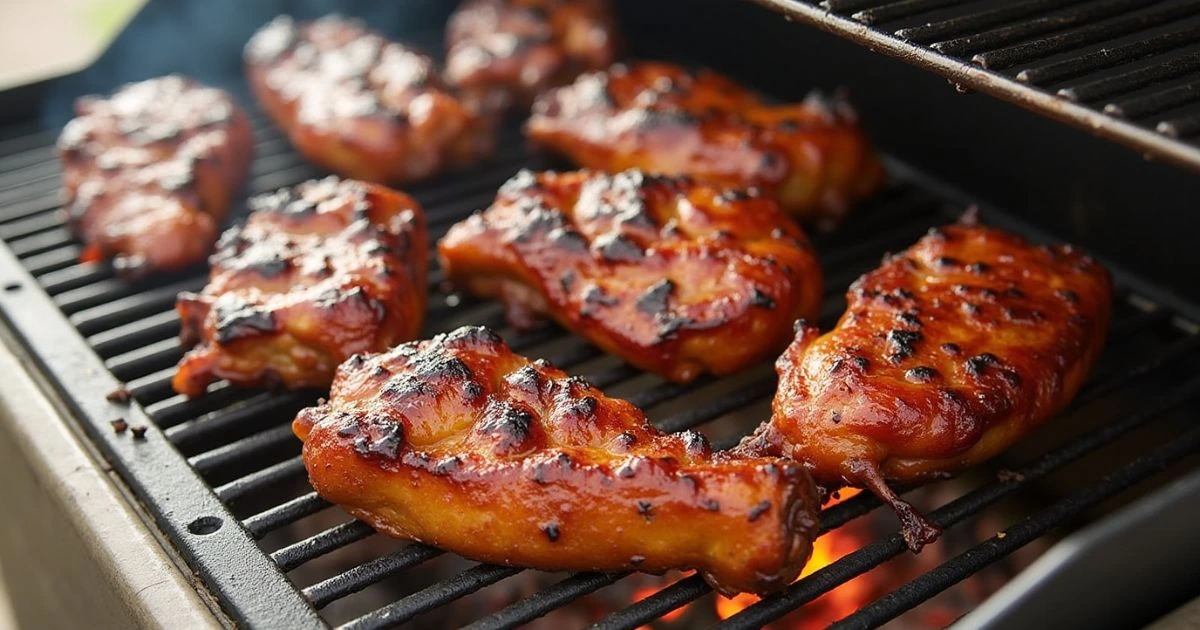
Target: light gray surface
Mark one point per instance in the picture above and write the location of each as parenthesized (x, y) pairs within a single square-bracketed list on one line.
[(74, 551)]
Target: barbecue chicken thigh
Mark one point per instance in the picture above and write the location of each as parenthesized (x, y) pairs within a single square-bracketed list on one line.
[(503, 53), (459, 443), (674, 277), (811, 156), (149, 173), (316, 274), (359, 105), (946, 355)]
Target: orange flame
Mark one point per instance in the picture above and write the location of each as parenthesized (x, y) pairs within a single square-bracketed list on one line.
[(643, 592), (831, 606)]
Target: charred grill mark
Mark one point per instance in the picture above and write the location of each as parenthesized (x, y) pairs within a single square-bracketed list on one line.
[(758, 510), (760, 299), (509, 423), (525, 379), (470, 336), (616, 247), (593, 297), (903, 343), (976, 364), (654, 301), (237, 319), (920, 374)]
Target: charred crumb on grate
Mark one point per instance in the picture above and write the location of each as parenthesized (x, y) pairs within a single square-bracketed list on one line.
[(654, 300), (119, 395), (138, 431), (119, 425), (1005, 475), (758, 510), (551, 531)]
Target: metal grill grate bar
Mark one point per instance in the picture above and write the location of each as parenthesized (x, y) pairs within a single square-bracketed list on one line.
[(368, 573), (1157, 101), (877, 553), (897, 10), (439, 594), (1040, 48), (284, 514), (1005, 35), (971, 561), (980, 20), (296, 554), (1109, 57), (1182, 127)]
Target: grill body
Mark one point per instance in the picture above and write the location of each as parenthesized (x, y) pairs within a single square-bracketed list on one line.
[(221, 476)]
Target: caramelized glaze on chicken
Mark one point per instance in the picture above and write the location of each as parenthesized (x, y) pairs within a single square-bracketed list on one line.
[(459, 443), (360, 105), (502, 53), (317, 273), (946, 355), (674, 277), (811, 156), (149, 173)]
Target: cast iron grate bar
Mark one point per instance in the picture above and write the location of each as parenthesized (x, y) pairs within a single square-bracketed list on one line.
[(1012, 538), (1109, 57), (368, 573), (432, 597), (1011, 33), (960, 24)]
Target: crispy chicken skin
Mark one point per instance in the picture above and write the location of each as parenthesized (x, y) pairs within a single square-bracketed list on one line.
[(359, 105), (459, 443), (674, 277), (503, 53), (150, 172), (811, 156), (316, 274), (945, 356)]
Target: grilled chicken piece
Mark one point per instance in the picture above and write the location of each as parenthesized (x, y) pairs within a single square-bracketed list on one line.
[(674, 277), (502, 53), (459, 443), (946, 355), (811, 156), (315, 275), (149, 173), (359, 105)]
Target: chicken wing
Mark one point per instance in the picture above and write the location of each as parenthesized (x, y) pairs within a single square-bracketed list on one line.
[(811, 156), (316, 274), (945, 356), (674, 277), (460, 443), (502, 53), (149, 173), (360, 105)]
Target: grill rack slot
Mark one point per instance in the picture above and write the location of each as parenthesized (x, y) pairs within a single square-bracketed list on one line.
[(238, 444)]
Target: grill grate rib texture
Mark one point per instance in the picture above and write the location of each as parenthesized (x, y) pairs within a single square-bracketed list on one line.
[(1124, 69), (235, 445)]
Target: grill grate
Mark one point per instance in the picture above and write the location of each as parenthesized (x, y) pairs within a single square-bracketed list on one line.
[(231, 456), (1125, 69)]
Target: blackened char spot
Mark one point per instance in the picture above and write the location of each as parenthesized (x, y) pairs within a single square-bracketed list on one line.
[(695, 443), (551, 531), (670, 323), (616, 247), (525, 379), (507, 422), (903, 343), (569, 240), (473, 335), (645, 509), (654, 300), (238, 319), (760, 299), (758, 510), (920, 374), (976, 364)]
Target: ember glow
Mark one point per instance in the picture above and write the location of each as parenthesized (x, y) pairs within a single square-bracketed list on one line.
[(834, 605), (659, 584)]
